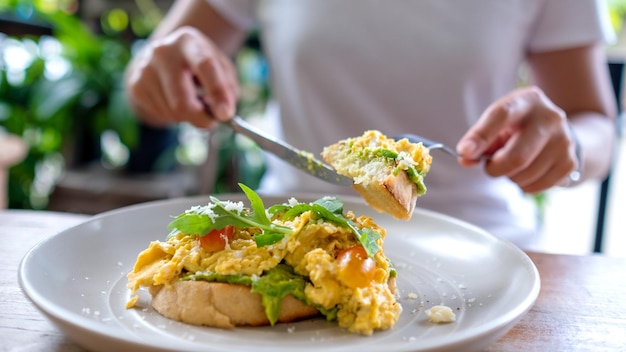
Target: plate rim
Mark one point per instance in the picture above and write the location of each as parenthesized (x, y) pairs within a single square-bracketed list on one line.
[(64, 318)]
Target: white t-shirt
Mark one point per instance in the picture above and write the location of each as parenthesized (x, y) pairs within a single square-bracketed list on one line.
[(340, 67)]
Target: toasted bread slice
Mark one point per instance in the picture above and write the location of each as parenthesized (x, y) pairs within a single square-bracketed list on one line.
[(221, 305), (388, 174), (395, 195)]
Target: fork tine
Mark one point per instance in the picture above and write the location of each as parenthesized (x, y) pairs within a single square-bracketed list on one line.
[(413, 138), (428, 143)]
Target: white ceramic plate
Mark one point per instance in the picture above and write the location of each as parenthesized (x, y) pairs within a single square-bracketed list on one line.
[(77, 278)]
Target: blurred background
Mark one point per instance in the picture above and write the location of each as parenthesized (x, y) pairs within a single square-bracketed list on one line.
[(62, 63), (61, 66)]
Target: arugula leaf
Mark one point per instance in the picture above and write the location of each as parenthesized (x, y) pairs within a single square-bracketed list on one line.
[(217, 215), (268, 238), (277, 209), (331, 209), (367, 237), (257, 205), (296, 211), (191, 223), (332, 204)]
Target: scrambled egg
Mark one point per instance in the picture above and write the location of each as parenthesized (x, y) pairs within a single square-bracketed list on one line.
[(311, 250), (409, 154)]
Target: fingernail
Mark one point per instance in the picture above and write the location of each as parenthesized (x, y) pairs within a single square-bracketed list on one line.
[(223, 111), (467, 148)]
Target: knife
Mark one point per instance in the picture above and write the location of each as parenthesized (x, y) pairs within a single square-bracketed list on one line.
[(302, 160)]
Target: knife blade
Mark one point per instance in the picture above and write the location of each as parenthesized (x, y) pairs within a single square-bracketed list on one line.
[(302, 160)]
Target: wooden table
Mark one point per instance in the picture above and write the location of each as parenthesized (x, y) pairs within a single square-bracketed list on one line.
[(581, 306)]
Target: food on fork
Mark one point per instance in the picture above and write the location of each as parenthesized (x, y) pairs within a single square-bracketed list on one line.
[(388, 174), (226, 265)]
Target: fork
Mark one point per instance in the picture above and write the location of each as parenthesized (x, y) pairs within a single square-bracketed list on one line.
[(430, 144)]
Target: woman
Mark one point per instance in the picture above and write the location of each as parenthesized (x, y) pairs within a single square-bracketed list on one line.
[(447, 70)]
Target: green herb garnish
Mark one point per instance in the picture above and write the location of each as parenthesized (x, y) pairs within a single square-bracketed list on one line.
[(217, 215), (331, 209)]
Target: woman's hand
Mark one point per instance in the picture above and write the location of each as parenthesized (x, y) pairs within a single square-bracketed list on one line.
[(165, 81), (528, 138)]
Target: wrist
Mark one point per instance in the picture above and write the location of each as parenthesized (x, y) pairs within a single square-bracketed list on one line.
[(576, 174)]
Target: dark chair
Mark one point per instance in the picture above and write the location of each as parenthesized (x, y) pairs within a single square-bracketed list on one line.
[(616, 70)]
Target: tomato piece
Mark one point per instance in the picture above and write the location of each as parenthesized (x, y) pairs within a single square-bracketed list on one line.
[(355, 268), (216, 240)]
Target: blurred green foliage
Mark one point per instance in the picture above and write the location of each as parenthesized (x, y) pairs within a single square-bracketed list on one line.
[(62, 116), (617, 11)]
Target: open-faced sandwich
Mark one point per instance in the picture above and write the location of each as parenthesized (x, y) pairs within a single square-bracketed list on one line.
[(226, 265), (388, 174)]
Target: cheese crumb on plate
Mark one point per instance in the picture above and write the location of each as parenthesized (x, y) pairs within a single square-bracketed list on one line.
[(441, 315)]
